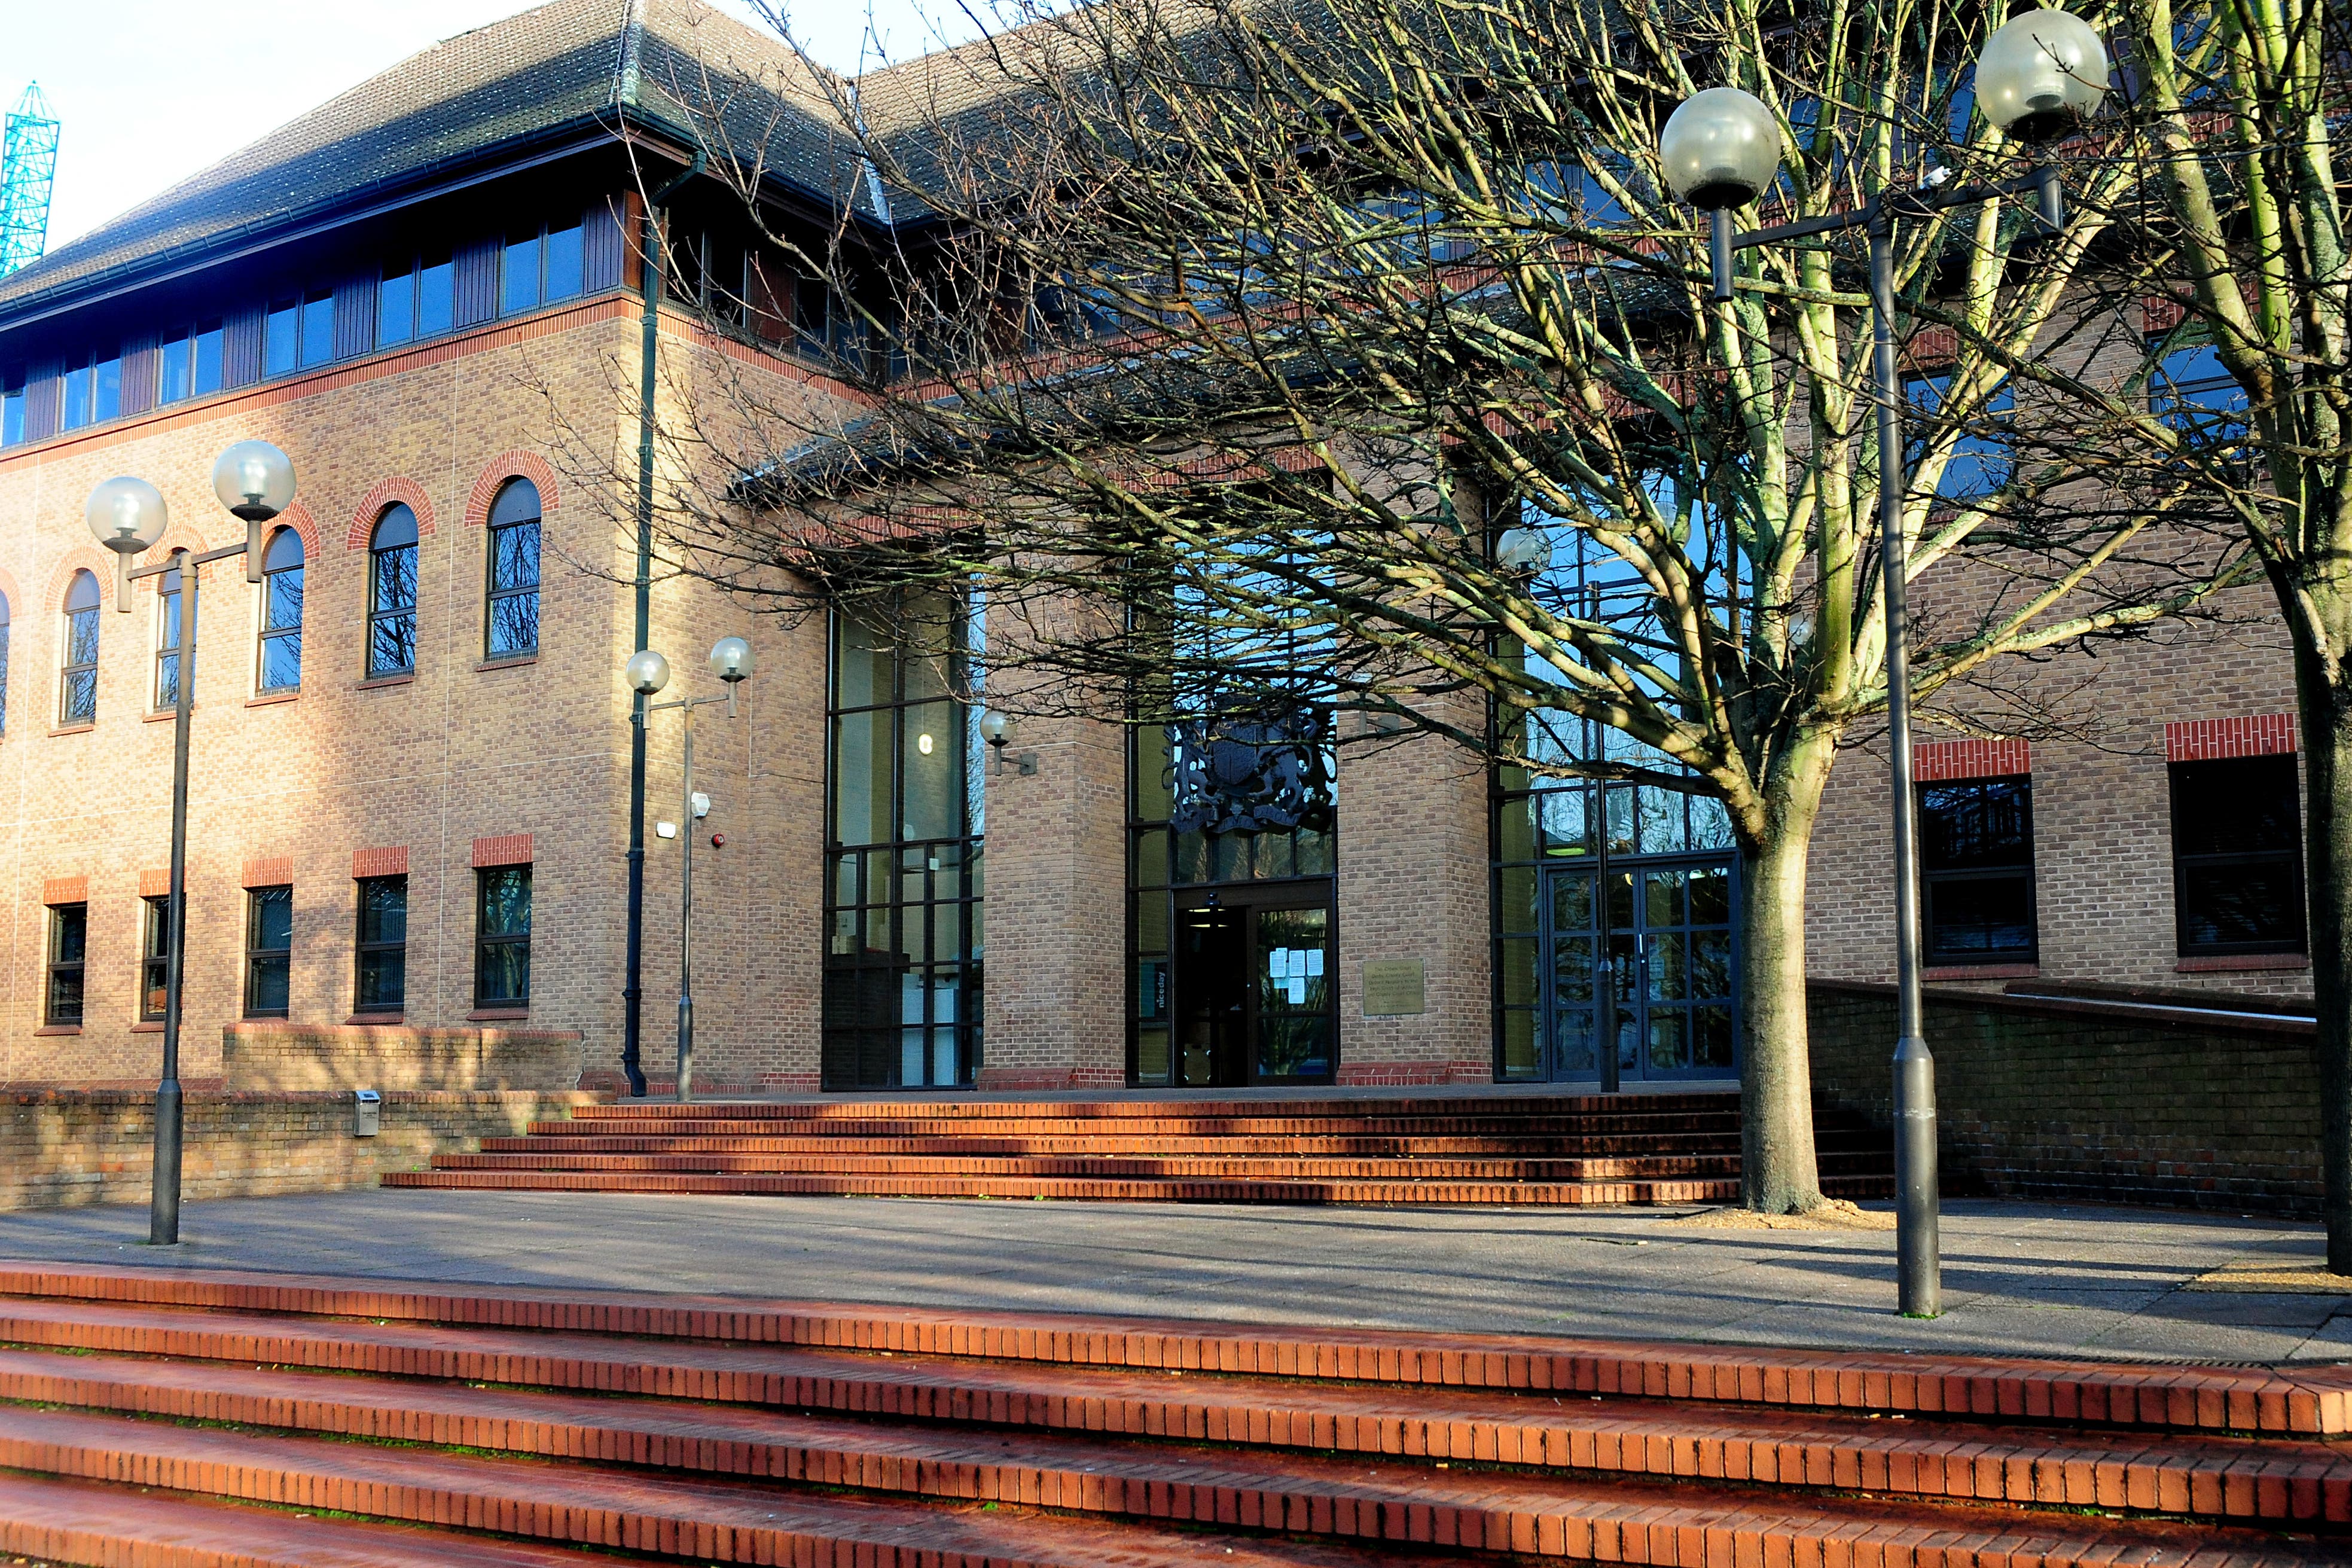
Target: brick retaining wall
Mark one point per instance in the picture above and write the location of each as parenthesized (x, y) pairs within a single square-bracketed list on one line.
[(65, 1147), (277, 1056), (2086, 1099)]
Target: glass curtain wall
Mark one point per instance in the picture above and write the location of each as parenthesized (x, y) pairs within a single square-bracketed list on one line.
[(904, 875), (1612, 899)]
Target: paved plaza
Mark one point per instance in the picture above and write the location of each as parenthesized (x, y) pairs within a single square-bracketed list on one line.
[(2021, 1279)]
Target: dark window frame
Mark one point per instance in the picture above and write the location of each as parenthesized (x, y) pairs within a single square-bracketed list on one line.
[(498, 591), (78, 698), (273, 633), (489, 945), (155, 956), (170, 619), (59, 968), (2289, 855), (261, 960), (364, 947), (399, 621), (1933, 877)]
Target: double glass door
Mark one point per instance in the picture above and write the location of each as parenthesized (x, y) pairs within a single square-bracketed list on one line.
[(1639, 960), (1256, 999)]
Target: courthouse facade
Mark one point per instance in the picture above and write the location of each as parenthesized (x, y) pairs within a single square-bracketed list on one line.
[(410, 771)]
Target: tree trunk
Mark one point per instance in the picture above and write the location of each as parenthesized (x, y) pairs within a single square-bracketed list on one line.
[(1778, 1171), (2324, 697)]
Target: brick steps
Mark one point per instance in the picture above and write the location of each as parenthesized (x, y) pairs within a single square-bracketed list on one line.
[(1262, 1168), (1210, 1190), (1084, 1442), (1045, 1464), (1531, 1151)]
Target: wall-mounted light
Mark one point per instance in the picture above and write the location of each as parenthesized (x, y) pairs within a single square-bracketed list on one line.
[(997, 728)]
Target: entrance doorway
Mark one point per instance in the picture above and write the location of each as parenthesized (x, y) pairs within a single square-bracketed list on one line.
[(1254, 998), (1640, 956)]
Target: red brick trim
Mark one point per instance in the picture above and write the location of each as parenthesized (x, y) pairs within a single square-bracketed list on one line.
[(272, 871), (393, 862), (155, 883), (1383, 1075), (2241, 963), (178, 536), (87, 558), (298, 518), (1037, 1079), (66, 890), (513, 464), (2159, 314), (1939, 759), (2211, 739), (379, 501), (1931, 349), (502, 849), (1982, 972)]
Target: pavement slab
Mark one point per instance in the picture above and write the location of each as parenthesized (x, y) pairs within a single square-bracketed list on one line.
[(2020, 1278)]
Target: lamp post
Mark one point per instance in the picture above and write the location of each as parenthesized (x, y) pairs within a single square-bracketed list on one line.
[(256, 481), (2038, 76), (647, 672)]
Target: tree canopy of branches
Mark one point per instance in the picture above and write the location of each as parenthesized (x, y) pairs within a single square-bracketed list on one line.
[(1218, 342)]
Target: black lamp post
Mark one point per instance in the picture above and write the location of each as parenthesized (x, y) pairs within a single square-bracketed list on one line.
[(256, 481), (2038, 76), (647, 672)]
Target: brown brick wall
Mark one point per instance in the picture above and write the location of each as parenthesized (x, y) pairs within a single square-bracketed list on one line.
[(271, 1056), (2076, 1100), (64, 1147)]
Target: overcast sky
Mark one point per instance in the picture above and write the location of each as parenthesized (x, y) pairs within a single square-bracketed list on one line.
[(149, 91)]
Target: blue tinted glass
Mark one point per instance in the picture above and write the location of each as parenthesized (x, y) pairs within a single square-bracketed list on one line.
[(172, 382), (77, 402), (318, 330), (279, 345), (106, 390), (520, 280), (514, 557), (206, 371), (436, 299), (281, 662), (396, 309), (11, 417), (282, 608), (564, 263)]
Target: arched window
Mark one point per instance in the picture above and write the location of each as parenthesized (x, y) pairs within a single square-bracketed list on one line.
[(78, 680), (392, 592), (511, 616), (281, 613), (3, 664), (168, 605)]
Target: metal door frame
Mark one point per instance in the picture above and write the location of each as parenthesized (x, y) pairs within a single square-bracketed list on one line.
[(1249, 899), (1607, 1070)]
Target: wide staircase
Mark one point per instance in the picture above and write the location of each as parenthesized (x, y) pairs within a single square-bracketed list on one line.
[(170, 1418), (1485, 1148)]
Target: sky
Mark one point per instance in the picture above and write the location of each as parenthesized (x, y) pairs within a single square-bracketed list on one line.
[(150, 91)]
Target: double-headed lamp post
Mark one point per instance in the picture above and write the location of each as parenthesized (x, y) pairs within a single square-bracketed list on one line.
[(2038, 76), (647, 672), (256, 481)]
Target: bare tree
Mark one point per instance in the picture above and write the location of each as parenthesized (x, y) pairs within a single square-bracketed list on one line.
[(1220, 345)]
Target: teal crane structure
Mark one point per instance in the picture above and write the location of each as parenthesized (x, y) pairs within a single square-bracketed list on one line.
[(28, 167)]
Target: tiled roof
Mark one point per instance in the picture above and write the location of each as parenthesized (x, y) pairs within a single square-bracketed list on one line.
[(564, 65)]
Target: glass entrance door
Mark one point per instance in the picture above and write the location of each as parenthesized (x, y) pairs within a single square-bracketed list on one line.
[(1254, 998), (1641, 957)]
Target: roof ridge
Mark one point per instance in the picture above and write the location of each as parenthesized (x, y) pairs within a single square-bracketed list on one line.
[(629, 59)]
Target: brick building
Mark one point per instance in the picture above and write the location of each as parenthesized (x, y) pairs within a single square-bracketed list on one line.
[(412, 741)]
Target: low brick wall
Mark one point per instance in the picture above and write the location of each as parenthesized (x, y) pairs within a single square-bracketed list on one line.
[(386, 1057), (2088, 1100), (65, 1147)]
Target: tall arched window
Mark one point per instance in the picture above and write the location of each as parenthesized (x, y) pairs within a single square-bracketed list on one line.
[(3, 664), (281, 613), (511, 617), (78, 680), (168, 604), (392, 592)]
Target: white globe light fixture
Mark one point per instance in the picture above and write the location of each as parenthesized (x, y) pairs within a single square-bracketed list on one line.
[(731, 659), (2042, 75), (1522, 550), (1720, 149), (996, 727), (255, 480), (127, 515), (647, 671)]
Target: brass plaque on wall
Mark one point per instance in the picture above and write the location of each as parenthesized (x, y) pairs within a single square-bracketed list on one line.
[(1393, 988)]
